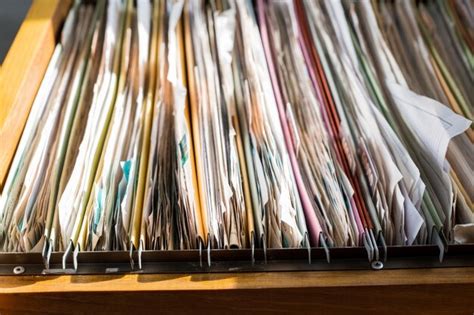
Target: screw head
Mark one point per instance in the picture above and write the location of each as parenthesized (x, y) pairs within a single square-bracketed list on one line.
[(377, 265), (18, 270)]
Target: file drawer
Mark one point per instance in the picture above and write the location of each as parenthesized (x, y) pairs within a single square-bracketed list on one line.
[(407, 279)]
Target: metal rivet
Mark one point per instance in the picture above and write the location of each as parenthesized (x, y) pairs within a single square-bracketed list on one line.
[(18, 270), (377, 265)]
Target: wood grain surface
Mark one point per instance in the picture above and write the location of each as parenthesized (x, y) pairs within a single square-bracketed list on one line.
[(422, 291), (415, 291), (229, 281), (22, 71)]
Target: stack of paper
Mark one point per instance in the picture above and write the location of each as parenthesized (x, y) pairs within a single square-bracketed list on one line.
[(173, 125)]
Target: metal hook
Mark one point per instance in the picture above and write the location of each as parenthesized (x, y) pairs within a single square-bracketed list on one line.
[(368, 246), (200, 251), (438, 239), (74, 256), (209, 252), (308, 246), (374, 244), (264, 242), (322, 242), (132, 263), (252, 245), (66, 253), (140, 249), (46, 252), (383, 244), (50, 251)]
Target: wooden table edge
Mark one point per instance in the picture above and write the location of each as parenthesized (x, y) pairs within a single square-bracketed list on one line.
[(234, 281)]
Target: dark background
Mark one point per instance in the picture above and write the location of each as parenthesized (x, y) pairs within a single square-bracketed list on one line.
[(12, 14)]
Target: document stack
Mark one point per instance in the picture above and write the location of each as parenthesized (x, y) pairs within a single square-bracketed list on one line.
[(239, 126)]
